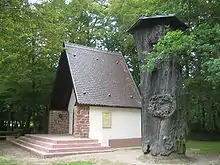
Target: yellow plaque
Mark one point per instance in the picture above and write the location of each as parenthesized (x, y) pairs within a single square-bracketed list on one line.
[(106, 119)]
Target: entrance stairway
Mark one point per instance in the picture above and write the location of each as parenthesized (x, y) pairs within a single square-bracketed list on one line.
[(48, 145)]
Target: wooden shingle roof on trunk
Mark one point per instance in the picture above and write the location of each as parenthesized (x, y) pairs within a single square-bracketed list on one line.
[(99, 78), (149, 22)]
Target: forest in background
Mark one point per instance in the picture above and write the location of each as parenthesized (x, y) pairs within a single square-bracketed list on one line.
[(31, 37)]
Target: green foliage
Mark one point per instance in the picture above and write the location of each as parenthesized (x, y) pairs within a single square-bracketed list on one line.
[(30, 45), (198, 53), (31, 42), (211, 69), (208, 46), (173, 44), (197, 50)]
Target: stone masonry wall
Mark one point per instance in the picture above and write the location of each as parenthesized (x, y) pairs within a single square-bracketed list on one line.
[(81, 121), (58, 122)]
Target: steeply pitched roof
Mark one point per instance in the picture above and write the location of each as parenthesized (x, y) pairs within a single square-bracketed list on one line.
[(101, 78), (171, 19), (62, 86)]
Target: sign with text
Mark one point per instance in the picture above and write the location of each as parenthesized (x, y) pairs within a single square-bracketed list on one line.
[(106, 120)]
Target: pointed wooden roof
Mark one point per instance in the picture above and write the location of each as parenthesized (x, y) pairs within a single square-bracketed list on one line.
[(98, 77), (148, 22)]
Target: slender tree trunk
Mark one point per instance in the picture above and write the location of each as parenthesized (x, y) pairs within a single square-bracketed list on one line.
[(21, 123), (2, 128), (9, 119), (203, 116), (1, 125), (33, 82), (214, 116), (27, 123), (46, 120)]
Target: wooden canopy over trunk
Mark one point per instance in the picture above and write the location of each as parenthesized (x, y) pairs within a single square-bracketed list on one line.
[(163, 122)]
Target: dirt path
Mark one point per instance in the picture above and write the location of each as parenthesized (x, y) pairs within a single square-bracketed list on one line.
[(125, 157)]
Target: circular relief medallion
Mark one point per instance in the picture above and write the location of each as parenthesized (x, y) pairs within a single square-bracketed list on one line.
[(162, 106)]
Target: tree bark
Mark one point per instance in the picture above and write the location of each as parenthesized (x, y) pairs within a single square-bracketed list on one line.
[(163, 119), (27, 122), (45, 122)]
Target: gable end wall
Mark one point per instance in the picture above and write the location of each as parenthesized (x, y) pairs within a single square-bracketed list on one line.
[(58, 122)]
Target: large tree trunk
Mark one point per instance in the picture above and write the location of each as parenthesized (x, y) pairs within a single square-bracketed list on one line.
[(163, 119)]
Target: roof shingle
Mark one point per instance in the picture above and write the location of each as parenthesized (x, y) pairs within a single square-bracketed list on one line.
[(101, 78)]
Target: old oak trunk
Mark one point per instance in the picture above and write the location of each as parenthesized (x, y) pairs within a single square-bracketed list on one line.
[(163, 118)]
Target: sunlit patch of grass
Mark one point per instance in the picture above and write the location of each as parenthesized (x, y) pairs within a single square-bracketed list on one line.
[(203, 147)]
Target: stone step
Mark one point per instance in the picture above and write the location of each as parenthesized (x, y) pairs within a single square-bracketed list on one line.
[(78, 149), (61, 139), (59, 150), (31, 145), (47, 155), (55, 145)]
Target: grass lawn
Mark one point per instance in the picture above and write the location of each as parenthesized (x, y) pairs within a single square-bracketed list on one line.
[(92, 162), (75, 163), (6, 161), (203, 147)]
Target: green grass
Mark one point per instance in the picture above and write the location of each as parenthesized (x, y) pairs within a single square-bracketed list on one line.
[(75, 163), (5, 161), (92, 162), (203, 147)]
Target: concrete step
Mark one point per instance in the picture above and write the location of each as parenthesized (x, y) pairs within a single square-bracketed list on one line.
[(55, 145), (61, 139)]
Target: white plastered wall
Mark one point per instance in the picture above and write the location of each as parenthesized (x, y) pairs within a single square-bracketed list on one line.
[(126, 123), (71, 105)]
